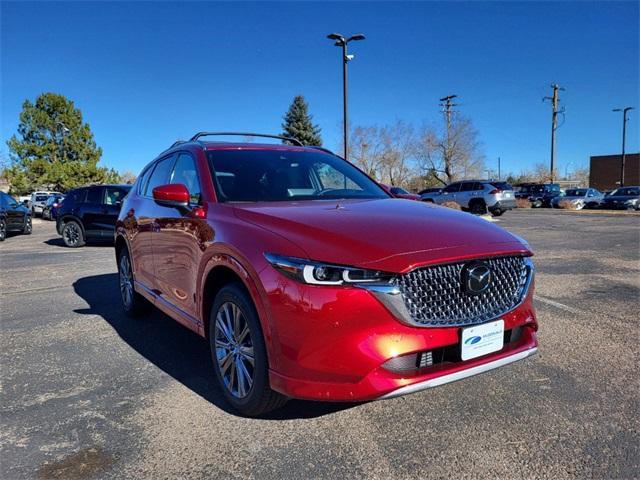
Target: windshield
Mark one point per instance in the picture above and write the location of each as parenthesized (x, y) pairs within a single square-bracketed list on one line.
[(576, 192), (627, 191), (41, 198), (283, 175)]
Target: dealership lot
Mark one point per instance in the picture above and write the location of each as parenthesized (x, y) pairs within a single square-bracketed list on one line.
[(86, 392)]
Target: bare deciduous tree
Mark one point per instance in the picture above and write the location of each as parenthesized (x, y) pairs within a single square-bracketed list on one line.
[(451, 153), (385, 153)]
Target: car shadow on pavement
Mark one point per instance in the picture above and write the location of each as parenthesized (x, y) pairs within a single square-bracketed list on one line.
[(176, 350), (58, 242)]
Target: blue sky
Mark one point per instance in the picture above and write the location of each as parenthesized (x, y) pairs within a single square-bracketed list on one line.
[(146, 74)]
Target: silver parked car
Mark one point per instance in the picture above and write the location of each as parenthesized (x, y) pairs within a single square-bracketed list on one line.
[(39, 201), (477, 196), (580, 198)]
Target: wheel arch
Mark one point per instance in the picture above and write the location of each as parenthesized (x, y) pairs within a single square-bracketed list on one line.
[(221, 270), (70, 217)]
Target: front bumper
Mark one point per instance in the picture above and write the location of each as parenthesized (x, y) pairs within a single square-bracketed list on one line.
[(332, 343)]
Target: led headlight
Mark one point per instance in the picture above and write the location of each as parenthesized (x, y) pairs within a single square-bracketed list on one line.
[(317, 273)]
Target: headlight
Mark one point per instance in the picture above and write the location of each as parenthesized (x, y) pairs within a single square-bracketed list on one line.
[(317, 273)]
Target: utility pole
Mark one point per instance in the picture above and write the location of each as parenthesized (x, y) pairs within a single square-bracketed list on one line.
[(499, 178), (447, 108), (554, 124), (624, 139)]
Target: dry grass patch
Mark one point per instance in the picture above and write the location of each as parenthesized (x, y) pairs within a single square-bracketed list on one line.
[(523, 203), (454, 205), (567, 205)]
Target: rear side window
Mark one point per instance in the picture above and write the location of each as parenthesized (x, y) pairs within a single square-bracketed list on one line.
[(185, 173), (94, 195), (160, 175), (471, 186), (454, 187)]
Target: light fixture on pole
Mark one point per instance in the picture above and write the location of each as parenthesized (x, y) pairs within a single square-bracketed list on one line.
[(341, 41), (624, 138)]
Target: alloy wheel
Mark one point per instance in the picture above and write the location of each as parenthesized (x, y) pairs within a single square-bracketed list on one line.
[(126, 281), (28, 227), (234, 350), (71, 233), (3, 230)]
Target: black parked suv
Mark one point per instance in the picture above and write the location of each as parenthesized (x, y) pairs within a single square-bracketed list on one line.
[(14, 216), (539, 194), (90, 213)]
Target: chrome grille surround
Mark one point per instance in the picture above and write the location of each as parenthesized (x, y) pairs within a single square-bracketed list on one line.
[(434, 297)]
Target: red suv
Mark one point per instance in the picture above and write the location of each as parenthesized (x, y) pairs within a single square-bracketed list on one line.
[(309, 281)]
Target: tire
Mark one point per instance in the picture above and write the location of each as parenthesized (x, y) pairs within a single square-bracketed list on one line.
[(478, 208), (536, 204), (239, 353), (3, 230), (497, 213), (28, 225), (428, 200), (72, 234), (133, 303)]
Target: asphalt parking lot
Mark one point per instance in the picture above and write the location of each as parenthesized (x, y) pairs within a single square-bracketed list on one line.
[(88, 393)]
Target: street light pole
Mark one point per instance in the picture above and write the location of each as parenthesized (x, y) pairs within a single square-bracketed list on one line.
[(624, 139), (341, 41)]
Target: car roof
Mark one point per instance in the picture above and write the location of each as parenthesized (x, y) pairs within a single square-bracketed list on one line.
[(214, 145)]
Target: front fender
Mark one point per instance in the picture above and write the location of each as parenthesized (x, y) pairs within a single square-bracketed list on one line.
[(224, 255)]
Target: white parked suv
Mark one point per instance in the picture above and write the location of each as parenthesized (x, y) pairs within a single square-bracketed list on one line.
[(39, 200), (476, 196)]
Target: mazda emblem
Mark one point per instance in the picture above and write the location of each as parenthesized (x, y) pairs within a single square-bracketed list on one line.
[(476, 278)]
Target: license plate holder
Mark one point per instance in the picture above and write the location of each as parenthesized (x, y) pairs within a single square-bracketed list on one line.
[(482, 339)]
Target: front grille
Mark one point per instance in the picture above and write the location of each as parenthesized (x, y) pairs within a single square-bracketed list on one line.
[(434, 296)]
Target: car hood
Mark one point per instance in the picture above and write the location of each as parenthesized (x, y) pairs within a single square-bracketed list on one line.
[(393, 235)]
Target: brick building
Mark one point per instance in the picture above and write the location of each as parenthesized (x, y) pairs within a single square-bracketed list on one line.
[(604, 171)]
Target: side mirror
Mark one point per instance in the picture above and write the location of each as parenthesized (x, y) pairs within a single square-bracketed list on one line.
[(175, 195)]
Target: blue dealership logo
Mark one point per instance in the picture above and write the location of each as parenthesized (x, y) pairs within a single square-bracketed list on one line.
[(472, 340)]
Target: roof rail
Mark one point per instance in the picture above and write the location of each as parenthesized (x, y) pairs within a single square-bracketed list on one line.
[(177, 142), (294, 141), (322, 148)]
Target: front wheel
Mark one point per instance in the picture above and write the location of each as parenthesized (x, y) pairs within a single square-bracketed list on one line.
[(239, 353), (3, 230), (72, 234), (497, 213)]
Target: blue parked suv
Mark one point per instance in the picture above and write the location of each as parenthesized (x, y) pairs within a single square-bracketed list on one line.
[(90, 213)]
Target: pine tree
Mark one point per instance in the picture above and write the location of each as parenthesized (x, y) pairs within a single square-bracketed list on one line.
[(298, 123), (56, 149)]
